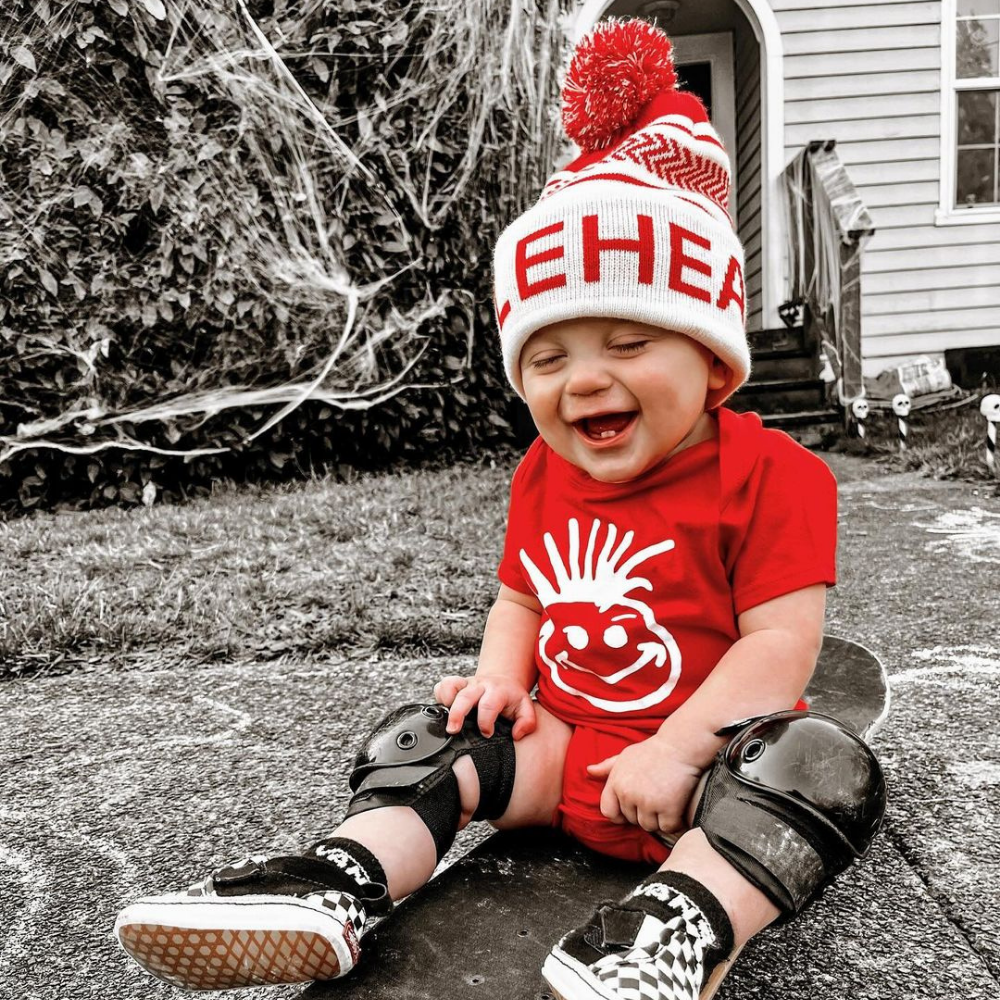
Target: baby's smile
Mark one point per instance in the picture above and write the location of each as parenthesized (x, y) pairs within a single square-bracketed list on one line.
[(606, 426), (649, 651)]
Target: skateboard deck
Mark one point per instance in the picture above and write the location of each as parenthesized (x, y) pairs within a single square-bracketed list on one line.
[(483, 927)]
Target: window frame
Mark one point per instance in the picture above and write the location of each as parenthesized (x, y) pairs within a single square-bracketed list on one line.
[(948, 213)]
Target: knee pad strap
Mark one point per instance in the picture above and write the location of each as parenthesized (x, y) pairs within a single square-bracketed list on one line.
[(767, 851), (408, 758)]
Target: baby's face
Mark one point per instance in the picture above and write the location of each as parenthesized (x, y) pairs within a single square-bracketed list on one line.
[(616, 398)]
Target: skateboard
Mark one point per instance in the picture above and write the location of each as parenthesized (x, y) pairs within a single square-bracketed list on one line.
[(519, 891)]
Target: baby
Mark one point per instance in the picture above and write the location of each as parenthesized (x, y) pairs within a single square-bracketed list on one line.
[(662, 585)]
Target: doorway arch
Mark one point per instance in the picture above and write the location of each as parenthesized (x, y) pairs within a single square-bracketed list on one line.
[(764, 25)]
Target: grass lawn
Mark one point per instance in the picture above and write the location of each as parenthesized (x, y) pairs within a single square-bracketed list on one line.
[(403, 562), (311, 571)]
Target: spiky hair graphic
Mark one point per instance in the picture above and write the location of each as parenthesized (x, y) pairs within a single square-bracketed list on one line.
[(602, 582)]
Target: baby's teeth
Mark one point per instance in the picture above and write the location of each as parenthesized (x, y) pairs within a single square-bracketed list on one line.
[(608, 434)]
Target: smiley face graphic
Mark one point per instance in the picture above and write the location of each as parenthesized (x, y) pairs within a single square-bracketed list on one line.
[(598, 643)]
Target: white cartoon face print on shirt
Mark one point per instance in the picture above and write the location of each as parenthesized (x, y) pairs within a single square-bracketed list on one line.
[(595, 637)]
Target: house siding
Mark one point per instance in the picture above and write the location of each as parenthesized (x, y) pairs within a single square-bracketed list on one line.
[(748, 165), (869, 76)]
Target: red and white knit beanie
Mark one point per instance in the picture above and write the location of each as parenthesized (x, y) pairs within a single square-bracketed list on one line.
[(637, 227)]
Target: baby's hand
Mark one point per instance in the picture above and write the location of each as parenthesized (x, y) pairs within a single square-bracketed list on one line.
[(647, 785), (494, 694)]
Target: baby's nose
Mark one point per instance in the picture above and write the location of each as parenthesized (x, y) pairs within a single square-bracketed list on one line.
[(585, 377)]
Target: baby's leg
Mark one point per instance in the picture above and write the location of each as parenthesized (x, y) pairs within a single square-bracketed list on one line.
[(300, 917), (673, 937), (748, 909), (402, 841), (784, 808)]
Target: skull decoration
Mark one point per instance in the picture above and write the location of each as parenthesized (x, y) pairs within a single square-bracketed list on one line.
[(901, 404), (860, 408), (990, 408)]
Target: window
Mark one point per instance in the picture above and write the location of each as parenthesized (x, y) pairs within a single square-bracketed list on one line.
[(971, 119)]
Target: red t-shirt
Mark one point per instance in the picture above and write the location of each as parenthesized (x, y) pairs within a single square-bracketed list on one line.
[(642, 582)]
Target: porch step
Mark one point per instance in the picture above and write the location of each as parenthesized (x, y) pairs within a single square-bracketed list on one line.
[(782, 395), (780, 384), (811, 428), (784, 389), (796, 366), (779, 342), (804, 417)]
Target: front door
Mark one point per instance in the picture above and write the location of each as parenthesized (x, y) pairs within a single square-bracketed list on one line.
[(705, 67)]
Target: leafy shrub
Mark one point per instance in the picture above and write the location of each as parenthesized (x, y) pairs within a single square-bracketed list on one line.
[(212, 211)]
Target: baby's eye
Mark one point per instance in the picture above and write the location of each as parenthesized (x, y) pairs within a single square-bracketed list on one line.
[(546, 362), (631, 347)]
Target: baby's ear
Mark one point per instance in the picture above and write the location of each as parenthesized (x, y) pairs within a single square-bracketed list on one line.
[(719, 374)]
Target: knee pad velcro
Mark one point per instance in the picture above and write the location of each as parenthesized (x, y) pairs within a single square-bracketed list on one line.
[(407, 761), (790, 802)]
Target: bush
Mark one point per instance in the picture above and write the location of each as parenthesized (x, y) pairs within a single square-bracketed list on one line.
[(211, 211)]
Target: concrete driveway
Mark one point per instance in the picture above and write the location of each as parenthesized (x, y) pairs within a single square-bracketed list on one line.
[(118, 785)]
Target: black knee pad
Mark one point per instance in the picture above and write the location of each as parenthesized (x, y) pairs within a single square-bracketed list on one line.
[(407, 761), (790, 802)]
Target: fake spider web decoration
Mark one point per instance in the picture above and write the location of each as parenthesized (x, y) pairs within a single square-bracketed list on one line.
[(366, 345)]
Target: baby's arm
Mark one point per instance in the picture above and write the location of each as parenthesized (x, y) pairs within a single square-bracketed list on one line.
[(506, 672), (766, 670)]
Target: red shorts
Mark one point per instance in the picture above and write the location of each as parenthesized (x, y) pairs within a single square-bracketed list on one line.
[(579, 811)]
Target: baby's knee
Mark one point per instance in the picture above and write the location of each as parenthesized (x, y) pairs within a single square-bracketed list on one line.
[(410, 759), (790, 802)]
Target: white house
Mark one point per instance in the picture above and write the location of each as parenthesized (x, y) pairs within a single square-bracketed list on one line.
[(910, 91)]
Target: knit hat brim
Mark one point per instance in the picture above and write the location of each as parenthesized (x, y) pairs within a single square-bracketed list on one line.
[(548, 269)]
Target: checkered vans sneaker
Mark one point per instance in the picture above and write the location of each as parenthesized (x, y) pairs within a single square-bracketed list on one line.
[(212, 938), (627, 953)]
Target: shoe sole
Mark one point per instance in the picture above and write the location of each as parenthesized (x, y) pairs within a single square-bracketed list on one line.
[(569, 980), (220, 944)]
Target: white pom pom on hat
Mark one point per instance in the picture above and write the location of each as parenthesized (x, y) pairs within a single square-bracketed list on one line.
[(637, 226)]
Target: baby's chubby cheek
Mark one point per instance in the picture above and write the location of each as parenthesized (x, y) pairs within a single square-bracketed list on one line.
[(554, 430)]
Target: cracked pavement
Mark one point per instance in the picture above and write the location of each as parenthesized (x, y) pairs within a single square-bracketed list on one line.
[(132, 783)]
